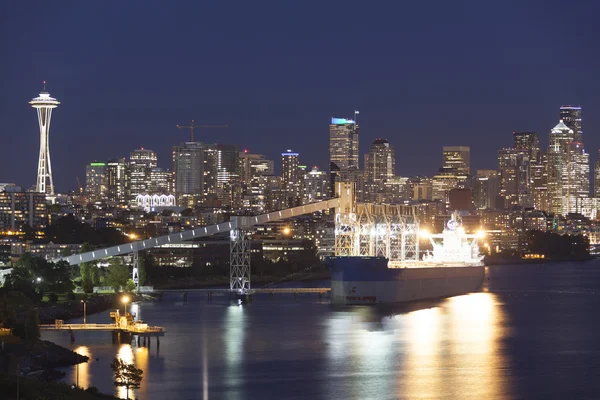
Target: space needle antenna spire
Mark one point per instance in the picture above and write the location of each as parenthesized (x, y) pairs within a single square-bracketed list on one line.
[(44, 105)]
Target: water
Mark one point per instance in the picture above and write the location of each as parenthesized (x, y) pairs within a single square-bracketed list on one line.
[(532, 335)]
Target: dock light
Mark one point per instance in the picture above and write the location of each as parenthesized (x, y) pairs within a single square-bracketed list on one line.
[(125, 300), (480, 234), (424, 233)]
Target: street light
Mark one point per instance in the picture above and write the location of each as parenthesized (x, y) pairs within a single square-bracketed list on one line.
[(125, 300), (84, 310)]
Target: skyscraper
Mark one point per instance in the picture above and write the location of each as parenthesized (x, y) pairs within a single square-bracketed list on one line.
[(117, 180), (597, 177), (457, 158), (188, 170), (291, 178), (141, 162), (485, 189), (515, 183), (44, 104), (343, 143), (380, 162), (568, 170), (571, 117)]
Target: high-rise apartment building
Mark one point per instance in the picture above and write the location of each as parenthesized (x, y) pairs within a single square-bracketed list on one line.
[(315, 186), (457, 158), (117, 180), (141, 162), (343, 143), (291, 176), (95, 181), (21, 211), (188, 172)]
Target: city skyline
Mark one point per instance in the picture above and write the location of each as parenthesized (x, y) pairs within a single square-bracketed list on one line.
[(418, 83)]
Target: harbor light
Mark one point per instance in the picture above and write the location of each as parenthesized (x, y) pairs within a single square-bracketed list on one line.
[(125, 300)]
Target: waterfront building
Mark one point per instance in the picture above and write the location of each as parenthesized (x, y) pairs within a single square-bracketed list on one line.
[(343, 143), (95, 181)]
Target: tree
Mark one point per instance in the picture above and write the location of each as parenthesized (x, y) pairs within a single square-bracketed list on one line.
[(130, 285), (126, 375), (117, 274)]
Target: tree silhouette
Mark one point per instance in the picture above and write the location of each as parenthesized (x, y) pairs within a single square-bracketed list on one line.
[(126, 375)]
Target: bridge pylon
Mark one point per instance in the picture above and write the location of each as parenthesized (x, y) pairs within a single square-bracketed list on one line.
[(239, 260)]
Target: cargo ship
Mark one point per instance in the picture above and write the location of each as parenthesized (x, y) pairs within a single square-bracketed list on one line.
[(453, 267)]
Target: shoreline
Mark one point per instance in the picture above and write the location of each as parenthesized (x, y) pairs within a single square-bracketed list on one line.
[(523, 261)]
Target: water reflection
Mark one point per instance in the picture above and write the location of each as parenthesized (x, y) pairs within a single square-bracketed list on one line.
[(453, 351), (449, 351), (234, 336), (81, 372), (125, 353)]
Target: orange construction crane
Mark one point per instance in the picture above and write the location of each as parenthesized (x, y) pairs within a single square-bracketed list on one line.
[(191, 127)]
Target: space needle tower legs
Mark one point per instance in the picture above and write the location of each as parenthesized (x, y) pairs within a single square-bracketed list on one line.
[(44, 105)]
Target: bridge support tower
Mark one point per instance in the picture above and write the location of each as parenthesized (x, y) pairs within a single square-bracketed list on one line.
[(239, 261)]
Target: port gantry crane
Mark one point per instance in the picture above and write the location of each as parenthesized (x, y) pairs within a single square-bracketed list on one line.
[(193, 126)]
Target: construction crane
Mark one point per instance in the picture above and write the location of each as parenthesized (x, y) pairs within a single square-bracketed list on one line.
[(78, 184), (192, 126)]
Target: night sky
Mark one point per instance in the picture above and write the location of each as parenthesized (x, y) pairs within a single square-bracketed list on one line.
[(423, 74)]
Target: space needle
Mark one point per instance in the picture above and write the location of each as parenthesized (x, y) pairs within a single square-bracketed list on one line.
[(44, 105)]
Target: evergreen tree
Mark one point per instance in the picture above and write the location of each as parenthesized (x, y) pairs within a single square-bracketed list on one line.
[(126, 375)]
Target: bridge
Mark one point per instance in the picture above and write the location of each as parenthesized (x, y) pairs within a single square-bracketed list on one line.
[(361, 229)]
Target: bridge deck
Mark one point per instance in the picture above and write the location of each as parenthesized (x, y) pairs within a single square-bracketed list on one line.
[(251, 291)]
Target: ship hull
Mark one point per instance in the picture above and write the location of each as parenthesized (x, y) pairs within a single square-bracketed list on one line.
[(367, 280)]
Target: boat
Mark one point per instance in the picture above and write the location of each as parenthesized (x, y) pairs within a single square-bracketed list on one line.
[(453, 267)]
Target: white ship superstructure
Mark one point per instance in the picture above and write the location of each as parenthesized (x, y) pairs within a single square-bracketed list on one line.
[(453, 247)]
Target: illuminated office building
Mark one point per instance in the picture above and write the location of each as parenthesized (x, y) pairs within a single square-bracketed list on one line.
[(343, 143)]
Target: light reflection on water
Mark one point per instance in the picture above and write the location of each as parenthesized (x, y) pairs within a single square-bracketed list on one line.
[(427, 353)]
